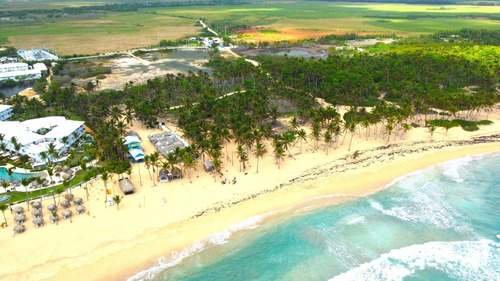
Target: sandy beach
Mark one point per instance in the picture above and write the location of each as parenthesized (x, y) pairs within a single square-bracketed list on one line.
[(110, 244)]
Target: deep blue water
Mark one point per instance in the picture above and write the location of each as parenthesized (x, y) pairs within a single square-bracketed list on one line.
[(437, 224)]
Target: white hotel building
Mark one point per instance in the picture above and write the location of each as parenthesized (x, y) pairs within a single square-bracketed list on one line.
[(21, 71), (35, 135), (5, 112)]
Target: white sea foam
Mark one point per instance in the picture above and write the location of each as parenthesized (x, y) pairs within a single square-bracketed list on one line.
[(357, 220), (217, 238), (464, 260)]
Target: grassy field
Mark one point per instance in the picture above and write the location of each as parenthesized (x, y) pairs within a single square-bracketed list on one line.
[(345, 17), (88, 34), (111, 31)]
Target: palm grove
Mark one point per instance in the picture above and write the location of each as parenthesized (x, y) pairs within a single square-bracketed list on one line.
[(400, 82)]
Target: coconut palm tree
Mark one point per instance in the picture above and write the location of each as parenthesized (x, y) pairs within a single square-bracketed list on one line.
[(388, 130), (302, 135), (117, 200), (242, 156), (3, 208), (260, 151), (279, 154), (217, 166), (25, 183), (315, 134), (58, 191), (105, 177), (328, 140), (189, 163)]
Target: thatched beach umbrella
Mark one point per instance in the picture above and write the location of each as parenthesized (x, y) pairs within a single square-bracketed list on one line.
[(36, 213), (66, 214), (20, 218), (69, 197), (126, 186), (18, 209), (80, 209), (65, 204), (70, 172), (2, 181), (78, 201), (45, 183), (38, 222), (9, 181), (52, 207), (19, 228), (37, 205), (54, 218), (16, 182), (66, 176), (64, 169)]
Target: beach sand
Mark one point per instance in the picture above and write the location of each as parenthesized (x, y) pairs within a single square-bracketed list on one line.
[(111, 244)]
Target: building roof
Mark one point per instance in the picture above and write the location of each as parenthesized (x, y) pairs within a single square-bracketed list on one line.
[(14, 64), (136, 153), (26, 131), (131, 139), (4, 107)]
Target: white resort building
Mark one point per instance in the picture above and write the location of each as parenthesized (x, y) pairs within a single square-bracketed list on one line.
[(35, 135), (21, 71), (5, 112)]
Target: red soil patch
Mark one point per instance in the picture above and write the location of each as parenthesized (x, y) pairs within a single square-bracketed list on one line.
[(292, 35)]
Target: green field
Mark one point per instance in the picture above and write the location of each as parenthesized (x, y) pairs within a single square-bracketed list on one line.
[(400, 18), (104, 31)]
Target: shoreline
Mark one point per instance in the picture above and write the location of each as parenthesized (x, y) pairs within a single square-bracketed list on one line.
[(200, 228), (107, 244), (321, 195)]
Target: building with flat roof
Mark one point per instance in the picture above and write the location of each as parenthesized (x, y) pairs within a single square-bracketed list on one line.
[(35, 135), (167, 141), (5, 112), (20, 71), (36, 55)]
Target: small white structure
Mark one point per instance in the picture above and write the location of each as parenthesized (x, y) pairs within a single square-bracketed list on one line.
[(21, 71), (35, 135), (5, 112), (36, 55)]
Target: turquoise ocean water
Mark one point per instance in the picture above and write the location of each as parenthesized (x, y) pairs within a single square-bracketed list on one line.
[(441, 223)]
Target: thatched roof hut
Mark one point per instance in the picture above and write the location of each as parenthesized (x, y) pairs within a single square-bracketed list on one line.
[(163, 175), (66, 176), (65, 204), (36, 213), (37, 205), (69, 197), (20, 218), (208, 166), (53, 218), (16, 182), (126, 186), (38, 222), (176, 173), (52, 207), (80, 209), (18, 209), (19, 228), (66, 213), (78, 201)]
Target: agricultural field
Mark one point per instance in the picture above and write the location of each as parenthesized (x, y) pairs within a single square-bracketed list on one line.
[(107, 31), (315, 18)]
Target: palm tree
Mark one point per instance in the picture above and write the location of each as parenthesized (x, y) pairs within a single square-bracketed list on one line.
[(352, 129), (105, 177), (242, 155), (279, 154), (217, 166), (147, 162), (388, 128), (315, 134), (189, 163), (129, 116), (117, 200), (328, 140), (302, 135), (172, 160), (58, 191), (294, 123), (3, 208), (116, 113), (260, 151), (288, 139), (25, 183), (432, 128)]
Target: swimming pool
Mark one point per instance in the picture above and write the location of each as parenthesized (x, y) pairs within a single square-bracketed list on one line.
[(16, 176)]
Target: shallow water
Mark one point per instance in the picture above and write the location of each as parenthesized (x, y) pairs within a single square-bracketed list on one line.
[(437, 224)]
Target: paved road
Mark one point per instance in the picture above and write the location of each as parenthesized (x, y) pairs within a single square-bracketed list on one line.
[(131, 52)]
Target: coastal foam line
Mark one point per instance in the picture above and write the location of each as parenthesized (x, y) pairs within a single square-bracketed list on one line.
[(462, 260), (218, 238), (224, 236)]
